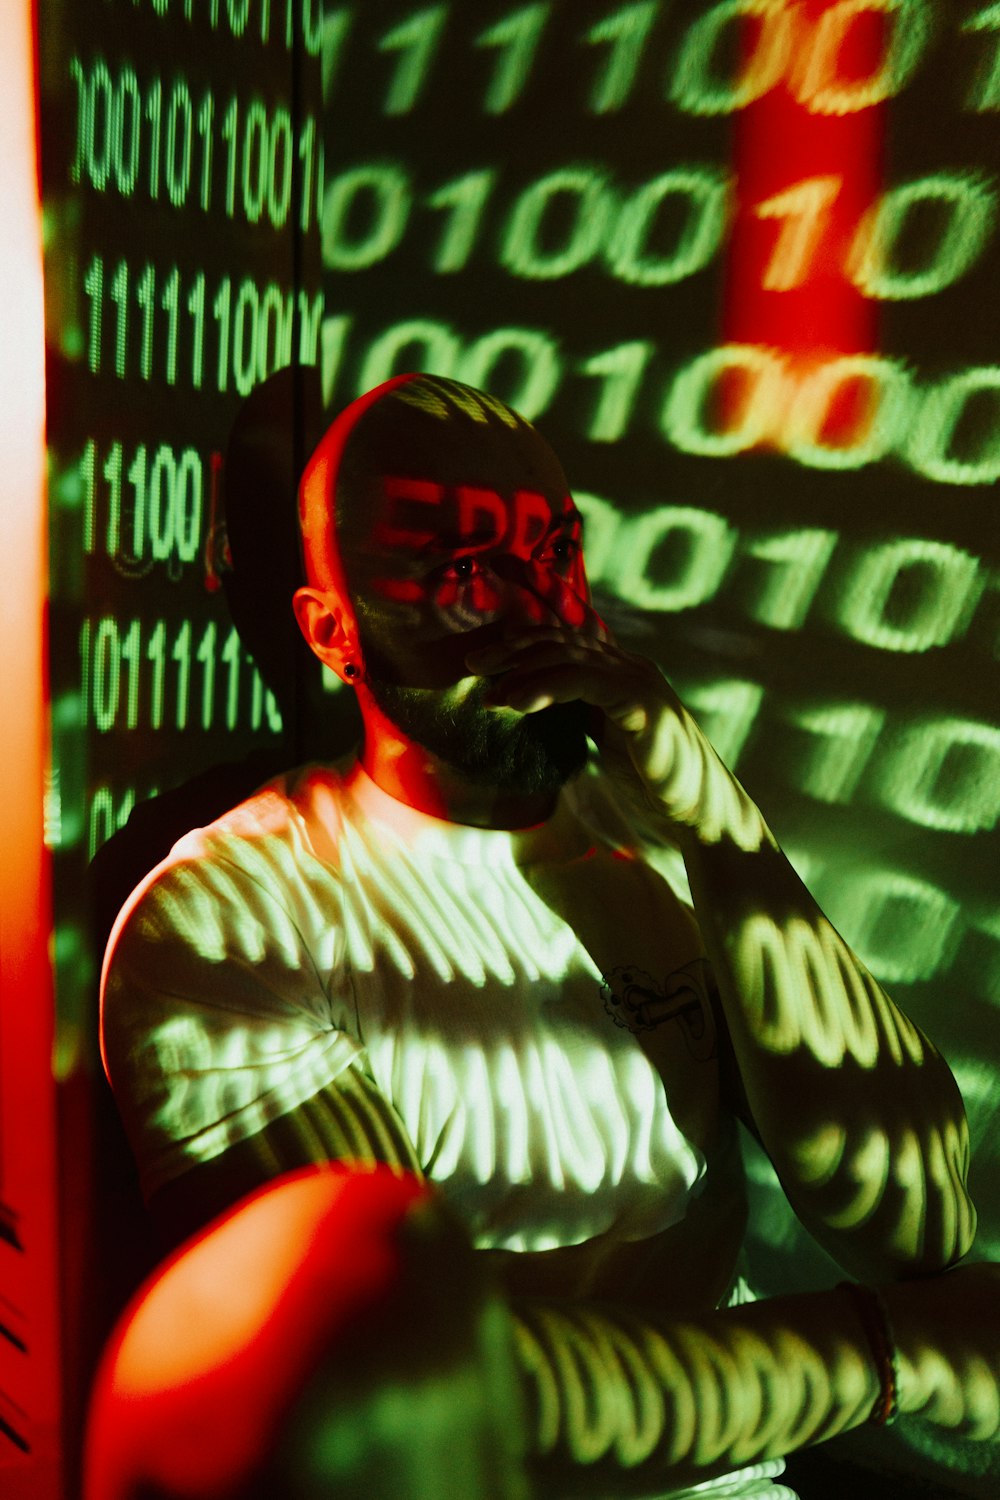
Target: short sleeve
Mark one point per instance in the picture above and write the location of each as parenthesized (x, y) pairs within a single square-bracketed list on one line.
[(223, 1005)]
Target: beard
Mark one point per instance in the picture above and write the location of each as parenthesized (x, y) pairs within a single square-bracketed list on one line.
[(523, 754)]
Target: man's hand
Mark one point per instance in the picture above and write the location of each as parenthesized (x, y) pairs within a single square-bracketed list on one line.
[(645, 736)]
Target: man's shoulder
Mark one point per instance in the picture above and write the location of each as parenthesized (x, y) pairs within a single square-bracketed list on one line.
[(268, 851), (300, 808)]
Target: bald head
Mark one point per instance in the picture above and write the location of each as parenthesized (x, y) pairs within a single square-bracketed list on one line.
[(437, 432)]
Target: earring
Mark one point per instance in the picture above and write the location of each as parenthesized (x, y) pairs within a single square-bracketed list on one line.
[(350, 670)]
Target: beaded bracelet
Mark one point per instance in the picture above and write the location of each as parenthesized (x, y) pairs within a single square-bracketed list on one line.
[(874, 1316)]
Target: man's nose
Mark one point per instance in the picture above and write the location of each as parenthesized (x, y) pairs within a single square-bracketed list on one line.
[(525, 591), (538, 593)]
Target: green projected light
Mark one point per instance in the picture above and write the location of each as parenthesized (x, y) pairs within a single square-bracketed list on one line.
[(821, 591), (545, 200)]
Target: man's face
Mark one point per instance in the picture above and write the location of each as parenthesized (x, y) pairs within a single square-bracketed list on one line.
[(443, 565)]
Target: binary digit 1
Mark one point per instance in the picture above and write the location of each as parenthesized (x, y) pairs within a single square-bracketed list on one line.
[(196, 307), (82, 116), (310, 318), (221, 312), (206, 659), (334, 337), (156, 655), (232, 656), (628, 32), (518, 35), (805, 209), (416, 40), (145, 293), (230, 134), (787, 591), (168, 301), (119, 296), (181, 654), (845, 736), (130, 655), (336, 25), (154, 105), (137, 478), (93, 285), (205, 117), (466, 197), (621, 369), (88, 474), (307, 160), (731, 706), (113, 474), (985, 91)]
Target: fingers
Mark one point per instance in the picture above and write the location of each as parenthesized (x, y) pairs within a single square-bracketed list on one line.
[(527, 642)]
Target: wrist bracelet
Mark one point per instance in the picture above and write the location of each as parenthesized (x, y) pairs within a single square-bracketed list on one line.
[(874, 1317)]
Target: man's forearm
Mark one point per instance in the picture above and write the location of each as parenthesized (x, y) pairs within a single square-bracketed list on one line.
[(625, 1406), (858, 1112)]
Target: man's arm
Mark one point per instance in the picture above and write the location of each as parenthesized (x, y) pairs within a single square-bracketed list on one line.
[(856, 1109), (628, 1405), (858, 1112)]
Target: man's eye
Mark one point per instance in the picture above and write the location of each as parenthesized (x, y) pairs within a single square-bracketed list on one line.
[(462, 568), (565, 550)]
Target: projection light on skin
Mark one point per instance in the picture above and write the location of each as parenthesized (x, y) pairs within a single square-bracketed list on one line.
[(453, 547), (849, 1016)]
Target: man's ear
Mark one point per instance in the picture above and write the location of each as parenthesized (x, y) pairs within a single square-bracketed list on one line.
[(330, 630)]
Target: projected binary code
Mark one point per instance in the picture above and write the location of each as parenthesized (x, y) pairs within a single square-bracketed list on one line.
[(183, 161), (767, 356)]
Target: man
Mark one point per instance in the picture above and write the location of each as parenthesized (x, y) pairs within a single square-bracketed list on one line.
[(453, 954)]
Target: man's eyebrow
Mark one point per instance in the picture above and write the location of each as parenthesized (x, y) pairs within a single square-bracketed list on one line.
[(568, 520), (454, 541)]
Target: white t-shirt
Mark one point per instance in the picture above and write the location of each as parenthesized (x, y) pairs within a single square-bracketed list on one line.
[(531, 1004), (479, 977)]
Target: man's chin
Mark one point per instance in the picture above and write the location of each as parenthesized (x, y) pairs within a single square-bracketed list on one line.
[(521, 754)]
